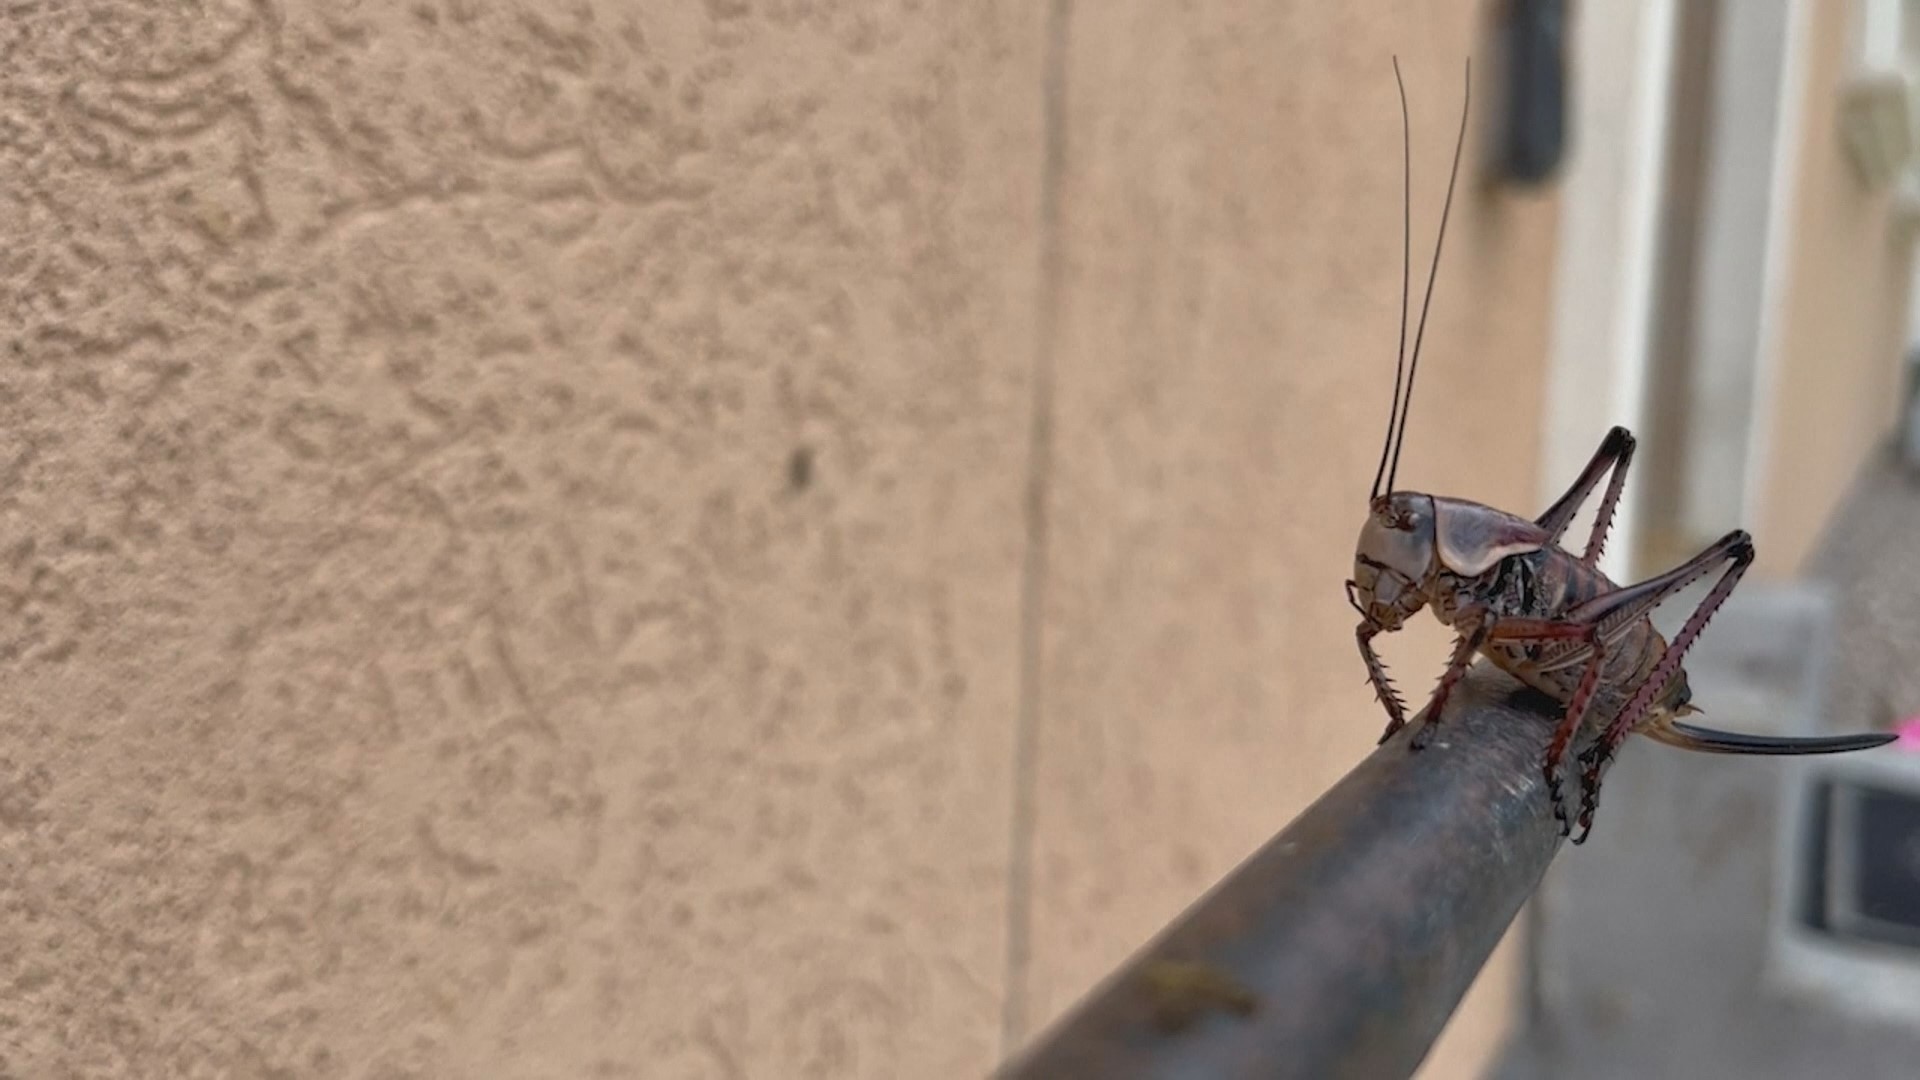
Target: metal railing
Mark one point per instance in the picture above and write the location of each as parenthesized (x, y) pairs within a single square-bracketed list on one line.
[(1341, 947)]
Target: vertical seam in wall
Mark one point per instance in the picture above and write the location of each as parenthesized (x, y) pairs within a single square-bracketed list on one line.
[(1033, 577)]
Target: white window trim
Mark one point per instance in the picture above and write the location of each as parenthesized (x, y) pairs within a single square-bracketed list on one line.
[(1782, 198), (1610, 214)]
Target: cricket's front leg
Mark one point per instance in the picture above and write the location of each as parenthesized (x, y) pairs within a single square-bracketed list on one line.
[(1472, 637), (1382, 686)]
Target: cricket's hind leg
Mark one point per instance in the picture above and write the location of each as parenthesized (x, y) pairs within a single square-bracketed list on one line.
[(1615, 454), (1736, 550)]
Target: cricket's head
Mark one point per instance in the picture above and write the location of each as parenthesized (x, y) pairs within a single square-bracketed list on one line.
[(1395, 560), (1397, 557)]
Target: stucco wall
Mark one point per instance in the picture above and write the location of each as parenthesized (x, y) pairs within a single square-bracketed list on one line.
[(516, 515), (1836, 391)]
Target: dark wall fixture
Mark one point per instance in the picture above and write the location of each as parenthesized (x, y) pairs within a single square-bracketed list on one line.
[(1533, 39)]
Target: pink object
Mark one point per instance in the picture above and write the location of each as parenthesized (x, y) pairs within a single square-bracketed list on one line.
[(1909, 730)]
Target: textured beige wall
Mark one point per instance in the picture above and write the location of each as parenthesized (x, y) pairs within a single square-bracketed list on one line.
[(515, 513), (425, 657), (1844, 327)]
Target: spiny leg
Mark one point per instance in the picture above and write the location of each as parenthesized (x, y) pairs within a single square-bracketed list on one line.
[(1504, 629), (1615, 613), (1619, 608), (1489, 629), (1591, 647), (1603, 520), (1737, 546), (1470, 641), (1571, 723), (1382, 686), (1615, 453)]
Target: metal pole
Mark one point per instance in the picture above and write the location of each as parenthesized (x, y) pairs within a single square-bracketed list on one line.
[(1341, 947)]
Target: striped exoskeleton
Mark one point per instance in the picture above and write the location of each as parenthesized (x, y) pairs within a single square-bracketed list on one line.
[(1546, 616)]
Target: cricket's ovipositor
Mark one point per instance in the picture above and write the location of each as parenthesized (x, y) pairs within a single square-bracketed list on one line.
[(1513, 594)]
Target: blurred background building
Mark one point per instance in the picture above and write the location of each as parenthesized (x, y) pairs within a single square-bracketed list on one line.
[(782, 538)]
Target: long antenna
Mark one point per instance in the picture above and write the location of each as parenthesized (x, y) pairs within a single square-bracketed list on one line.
[(1406, 273), (1413, 365)]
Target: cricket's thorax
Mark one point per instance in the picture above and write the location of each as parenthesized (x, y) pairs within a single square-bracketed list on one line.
[(1547, 584)]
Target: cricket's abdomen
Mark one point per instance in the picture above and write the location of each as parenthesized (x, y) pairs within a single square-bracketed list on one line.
[(1550, 584)]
